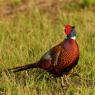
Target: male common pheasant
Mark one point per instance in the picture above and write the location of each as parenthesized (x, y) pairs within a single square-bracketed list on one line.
[(60, 59)]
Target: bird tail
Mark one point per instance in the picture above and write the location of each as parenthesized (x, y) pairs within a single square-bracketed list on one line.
[(25, 67)]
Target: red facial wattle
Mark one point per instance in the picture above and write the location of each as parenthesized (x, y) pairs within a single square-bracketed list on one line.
[(67, 29)]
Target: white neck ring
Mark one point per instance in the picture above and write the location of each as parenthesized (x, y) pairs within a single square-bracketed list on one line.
[(73, 38)]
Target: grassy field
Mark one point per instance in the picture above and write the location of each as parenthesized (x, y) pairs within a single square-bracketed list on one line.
[(24, 37)]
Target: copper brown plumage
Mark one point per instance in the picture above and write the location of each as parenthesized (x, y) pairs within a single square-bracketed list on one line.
[(60, 59)]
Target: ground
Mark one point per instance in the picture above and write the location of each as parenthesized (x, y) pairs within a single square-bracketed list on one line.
[(25, 25)]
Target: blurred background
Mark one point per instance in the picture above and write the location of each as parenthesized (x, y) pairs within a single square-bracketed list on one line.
[(28, 28), (52, 7)]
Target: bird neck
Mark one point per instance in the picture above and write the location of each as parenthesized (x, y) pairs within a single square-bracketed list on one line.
[(73, 37)]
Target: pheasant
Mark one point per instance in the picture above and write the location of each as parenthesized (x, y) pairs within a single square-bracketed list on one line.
[(60, 59)]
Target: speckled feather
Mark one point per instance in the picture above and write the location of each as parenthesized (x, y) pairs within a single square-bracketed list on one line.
[(68, 56), (60, 59)]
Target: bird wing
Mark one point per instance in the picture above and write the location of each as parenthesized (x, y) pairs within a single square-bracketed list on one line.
[(53, 54)]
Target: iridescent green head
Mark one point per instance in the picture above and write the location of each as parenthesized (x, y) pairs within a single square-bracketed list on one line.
[(70, 32)]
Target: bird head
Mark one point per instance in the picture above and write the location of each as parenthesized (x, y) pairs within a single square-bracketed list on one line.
[(70, 31)]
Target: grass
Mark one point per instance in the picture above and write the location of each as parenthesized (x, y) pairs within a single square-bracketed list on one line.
[(88, 3), (24, 37)]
